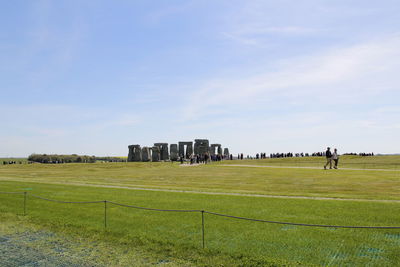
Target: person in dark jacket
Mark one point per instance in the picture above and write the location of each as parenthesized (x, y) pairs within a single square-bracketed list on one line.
[(328, 155)]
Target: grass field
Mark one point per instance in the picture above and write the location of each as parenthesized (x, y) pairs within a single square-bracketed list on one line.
[(368, 197)]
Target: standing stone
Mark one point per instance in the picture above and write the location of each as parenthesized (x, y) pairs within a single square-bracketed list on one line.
[(173, 149), (189, 149), (130, 153), (219, 149), (135, 153), (138, 154), (212, 150), (201, 146), (146, 156), (164, 155), (181, 149), (226, 153), (155, 154)]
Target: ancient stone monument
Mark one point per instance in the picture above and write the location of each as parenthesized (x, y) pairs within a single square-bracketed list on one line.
[(135, 153), (185, 149), (219, 149), (146, 155), (164, 155), (201, 146), (130, 153), (185, 152), (226, 153), (174, 153), (155, 155)]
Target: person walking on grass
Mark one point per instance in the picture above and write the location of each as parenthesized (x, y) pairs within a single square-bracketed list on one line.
[(335, 158), (328, 155)]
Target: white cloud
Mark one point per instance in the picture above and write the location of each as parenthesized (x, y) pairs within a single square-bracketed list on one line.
[(162, 13), (340, 74), (283, 30), (54, 121), (255, 35), (240, 38)]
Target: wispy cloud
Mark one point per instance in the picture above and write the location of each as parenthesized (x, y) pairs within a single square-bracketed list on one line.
[(162, 13), (339, 74), (257, 35), (56, 121), (241, 38)]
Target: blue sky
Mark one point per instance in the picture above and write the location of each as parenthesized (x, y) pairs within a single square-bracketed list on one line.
[(92, 77)]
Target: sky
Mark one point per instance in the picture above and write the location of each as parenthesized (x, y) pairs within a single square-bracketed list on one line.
[(92, 77)]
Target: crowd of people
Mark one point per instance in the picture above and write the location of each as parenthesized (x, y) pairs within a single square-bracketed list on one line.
[(297, 155), (261, 156), (281, 155), (204, 158), (360, 154)]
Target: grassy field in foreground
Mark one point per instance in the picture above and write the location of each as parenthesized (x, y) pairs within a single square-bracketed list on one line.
[(177, 236), (360, 184)]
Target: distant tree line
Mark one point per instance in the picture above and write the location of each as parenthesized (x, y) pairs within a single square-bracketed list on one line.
[(57, 159)]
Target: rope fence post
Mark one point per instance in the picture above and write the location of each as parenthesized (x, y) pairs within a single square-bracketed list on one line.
[(25, 203), (105, 213), (202, 227)]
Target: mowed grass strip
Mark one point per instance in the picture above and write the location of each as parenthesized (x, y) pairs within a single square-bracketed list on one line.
[(353, 184), (178, 235)]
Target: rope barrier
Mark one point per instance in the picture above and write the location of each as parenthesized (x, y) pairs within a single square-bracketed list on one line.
[(143, 208), (302, 224), (208, 212)]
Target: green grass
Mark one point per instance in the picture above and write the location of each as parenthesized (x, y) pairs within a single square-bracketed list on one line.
[(180, 233), (176, 237), (340, 183)]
